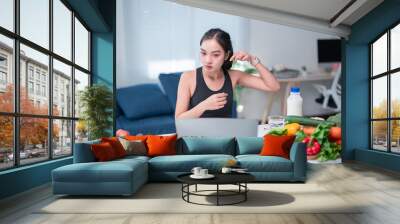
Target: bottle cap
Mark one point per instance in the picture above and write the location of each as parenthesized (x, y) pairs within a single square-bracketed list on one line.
[(295, 90)]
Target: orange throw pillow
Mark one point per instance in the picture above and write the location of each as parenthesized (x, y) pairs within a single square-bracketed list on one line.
[(161, 145), (116, 145), (277, 145), (136, 137), (103, 151)]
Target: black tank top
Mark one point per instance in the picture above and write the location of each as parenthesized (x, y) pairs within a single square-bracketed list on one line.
[(202, 92)]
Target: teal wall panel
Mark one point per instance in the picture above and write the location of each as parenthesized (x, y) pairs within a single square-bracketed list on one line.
[(24, 178), (356, 81), (102, 58)]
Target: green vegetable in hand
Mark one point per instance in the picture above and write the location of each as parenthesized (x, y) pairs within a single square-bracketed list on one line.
[(278, 131), (306, 121), (300, 135)]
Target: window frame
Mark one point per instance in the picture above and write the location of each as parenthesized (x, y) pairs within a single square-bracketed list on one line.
[(388, 74), (16, 114)]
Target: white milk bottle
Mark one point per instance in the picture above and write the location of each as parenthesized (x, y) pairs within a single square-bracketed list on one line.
[(294, 102)]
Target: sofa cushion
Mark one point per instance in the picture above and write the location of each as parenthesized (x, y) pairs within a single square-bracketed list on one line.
[(248, 145), (161, 145), (277, 145), (257, 163), (132, 160), (185, 163), (143, 100), (195, 145), (103, 152), (116, 145), (150, 125), (134, 147), (112, 171), (170, 84), (83, 152)]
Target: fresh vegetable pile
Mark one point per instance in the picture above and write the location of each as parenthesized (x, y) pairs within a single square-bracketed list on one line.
[(323, 137)]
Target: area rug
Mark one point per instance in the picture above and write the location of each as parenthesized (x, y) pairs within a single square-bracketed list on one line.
[(167, 198)]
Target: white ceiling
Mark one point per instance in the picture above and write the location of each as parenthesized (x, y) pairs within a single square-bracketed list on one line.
[(314, 15), (320, 9)]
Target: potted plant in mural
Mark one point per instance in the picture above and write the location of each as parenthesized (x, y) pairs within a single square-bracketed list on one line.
[(96, 102)]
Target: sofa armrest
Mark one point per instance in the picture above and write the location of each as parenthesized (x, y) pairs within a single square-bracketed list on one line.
[(83, 152), (299, 158)]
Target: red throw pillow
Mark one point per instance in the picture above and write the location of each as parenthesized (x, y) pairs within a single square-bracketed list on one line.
[(116, 145), (103, 151), (277, 145), (161, 145)]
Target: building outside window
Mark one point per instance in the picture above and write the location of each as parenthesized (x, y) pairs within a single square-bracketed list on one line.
[(3, 78), (3, 71), (30, 72), (43, 77), (30, 87), (38, 89), (43, 90), (37, 75)]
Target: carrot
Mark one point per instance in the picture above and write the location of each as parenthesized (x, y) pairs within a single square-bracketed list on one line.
[(308, 130)]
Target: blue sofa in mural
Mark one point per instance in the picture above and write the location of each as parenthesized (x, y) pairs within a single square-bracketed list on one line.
[(125, 176), (150, 108), (146, 108)]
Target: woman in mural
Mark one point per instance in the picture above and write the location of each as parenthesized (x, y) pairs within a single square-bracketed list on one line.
[(208, 90)]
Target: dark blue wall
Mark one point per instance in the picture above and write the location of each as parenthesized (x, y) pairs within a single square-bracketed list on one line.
[(356, 95), (100, 16)]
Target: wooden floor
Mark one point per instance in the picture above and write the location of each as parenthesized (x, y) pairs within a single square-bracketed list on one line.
[(377, 188)]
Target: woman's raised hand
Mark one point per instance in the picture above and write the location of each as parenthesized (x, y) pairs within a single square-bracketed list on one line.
[(242, 56), (214, 102)]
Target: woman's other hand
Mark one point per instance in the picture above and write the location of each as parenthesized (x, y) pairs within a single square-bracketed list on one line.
[(214, 102)]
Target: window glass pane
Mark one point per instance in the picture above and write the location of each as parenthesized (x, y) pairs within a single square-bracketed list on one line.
[(395, 94), (32, 61), (35, 21), (62, 29), (81, 131), (395, 47), (379, 135), (81, 81), (379, 55), (379, 97), (62, 89), (62, 137), (7, 14), (6, 74), (395, 135), (33, 139), (81, 45), (6, 142)]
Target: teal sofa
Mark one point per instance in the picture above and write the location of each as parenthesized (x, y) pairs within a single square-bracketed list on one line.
[(125, 176)]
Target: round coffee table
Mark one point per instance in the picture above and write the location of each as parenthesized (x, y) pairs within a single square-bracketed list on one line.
[(238, 179)]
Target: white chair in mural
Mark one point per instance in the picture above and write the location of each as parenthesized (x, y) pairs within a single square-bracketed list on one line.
[(334, 92)]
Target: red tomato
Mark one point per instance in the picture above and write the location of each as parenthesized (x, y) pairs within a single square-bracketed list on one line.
[(335, 133)]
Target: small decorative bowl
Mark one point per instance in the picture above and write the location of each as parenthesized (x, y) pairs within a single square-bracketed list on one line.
[(312, 157)]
